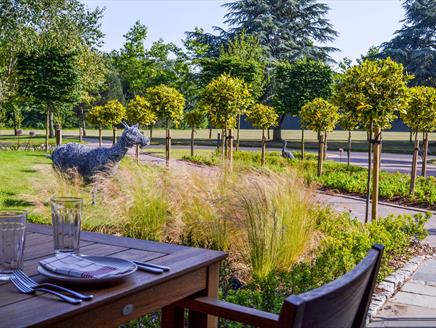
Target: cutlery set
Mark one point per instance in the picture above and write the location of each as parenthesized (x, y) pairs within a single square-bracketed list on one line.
[(27, 285)]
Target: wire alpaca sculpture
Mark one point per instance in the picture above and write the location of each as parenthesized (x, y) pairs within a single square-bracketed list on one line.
[(89, 161), (285, 152)]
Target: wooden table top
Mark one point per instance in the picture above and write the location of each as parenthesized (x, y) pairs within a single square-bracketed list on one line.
[(19, 310)]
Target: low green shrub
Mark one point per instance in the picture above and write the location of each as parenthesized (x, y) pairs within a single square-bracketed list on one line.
[(202, 160), (346, 241)]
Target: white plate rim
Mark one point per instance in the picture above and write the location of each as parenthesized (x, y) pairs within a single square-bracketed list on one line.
[(55, 276)]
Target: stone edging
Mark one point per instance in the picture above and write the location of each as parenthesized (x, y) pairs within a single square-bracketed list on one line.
[(392, 284)]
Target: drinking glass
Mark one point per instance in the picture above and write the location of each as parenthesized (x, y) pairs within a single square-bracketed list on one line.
[(66, 213), (12, 237)]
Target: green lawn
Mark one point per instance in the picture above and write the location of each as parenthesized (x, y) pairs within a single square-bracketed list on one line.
[(18, 170)]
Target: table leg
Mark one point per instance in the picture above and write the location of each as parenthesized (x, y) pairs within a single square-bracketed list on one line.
[(201, 320), (172, 317)]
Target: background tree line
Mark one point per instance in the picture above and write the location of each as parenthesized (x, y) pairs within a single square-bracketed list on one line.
[(52, 71)]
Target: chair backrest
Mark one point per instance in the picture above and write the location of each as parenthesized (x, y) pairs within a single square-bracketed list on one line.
[(343, 303)]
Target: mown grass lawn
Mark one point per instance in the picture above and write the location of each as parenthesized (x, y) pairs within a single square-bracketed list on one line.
[(18, 169)]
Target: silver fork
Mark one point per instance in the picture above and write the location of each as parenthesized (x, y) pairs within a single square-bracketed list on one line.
[(28, 290), (19, 274)]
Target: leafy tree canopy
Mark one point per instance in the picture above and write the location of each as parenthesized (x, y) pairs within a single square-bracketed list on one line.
[(195, 118), (225, 97), (167, 102), (262, 116), (28, 25), (414, 45), (139, 111), (298, 83), (319, 115), (421, 109), (140, 68), (110, 114), (373, 91), (50, 78)]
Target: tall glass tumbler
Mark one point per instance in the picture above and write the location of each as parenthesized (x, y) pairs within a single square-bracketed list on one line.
[(66, 214), (12, 238)]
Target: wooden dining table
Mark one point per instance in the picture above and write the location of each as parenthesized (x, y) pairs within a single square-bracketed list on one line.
[(193, 271)]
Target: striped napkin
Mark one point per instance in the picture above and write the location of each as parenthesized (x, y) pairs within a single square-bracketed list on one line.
[(80, 267)]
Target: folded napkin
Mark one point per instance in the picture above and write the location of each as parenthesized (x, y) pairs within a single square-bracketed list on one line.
[(79, 267)]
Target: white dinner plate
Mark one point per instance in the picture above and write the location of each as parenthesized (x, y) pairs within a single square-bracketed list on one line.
[(103, 260)]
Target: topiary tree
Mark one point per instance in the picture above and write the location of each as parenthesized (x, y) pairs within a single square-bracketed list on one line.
[(139, 111), (225, 97), (374, 92), (194, 119), (420, 117), (296, 84), (168, 103), (263, 117), (320, 116), (111, 114)]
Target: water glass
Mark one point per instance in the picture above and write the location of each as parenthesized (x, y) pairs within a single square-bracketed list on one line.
[(66, 213), (12, 237)]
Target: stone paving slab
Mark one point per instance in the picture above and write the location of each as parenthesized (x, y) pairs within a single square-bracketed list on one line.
[(419, 288)]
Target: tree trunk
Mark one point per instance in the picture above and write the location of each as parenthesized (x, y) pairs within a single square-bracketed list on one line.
[(349, 149), (168, 143), (137, 153), (100, 136), (269, 136), (47, 123), (324, 155), (83, 121), (51, 124), (410, 135), (262, 162), (58, 135), (230, 149), (151, 132), (237, 132), (302, 143), (376, 172), (368, 182), (80, 134), (114, 135), (210, 132), (414, 165), (225, 141), (424, 155), (320, 152), (277, 130), (192, 141), (14, 116)]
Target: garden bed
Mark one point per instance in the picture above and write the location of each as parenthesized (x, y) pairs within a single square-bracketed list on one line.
[(338, 177)]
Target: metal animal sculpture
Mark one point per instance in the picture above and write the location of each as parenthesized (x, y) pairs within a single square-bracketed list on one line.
[(88, 161), (285, 152)]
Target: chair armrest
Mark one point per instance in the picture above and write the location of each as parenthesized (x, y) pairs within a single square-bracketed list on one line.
[(230, 311)]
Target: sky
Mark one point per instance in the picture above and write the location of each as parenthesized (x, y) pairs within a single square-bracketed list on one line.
[(360, 23)]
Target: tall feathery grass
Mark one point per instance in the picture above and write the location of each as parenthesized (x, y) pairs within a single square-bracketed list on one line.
[(280, 221), (263, 219)]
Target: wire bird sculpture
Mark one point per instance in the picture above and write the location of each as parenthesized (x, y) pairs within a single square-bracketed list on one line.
[(88, 161), (285, 152)]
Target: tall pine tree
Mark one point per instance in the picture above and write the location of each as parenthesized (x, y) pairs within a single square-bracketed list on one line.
[(414, 45)]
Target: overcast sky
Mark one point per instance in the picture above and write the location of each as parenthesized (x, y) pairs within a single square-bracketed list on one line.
[(360, 23)]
